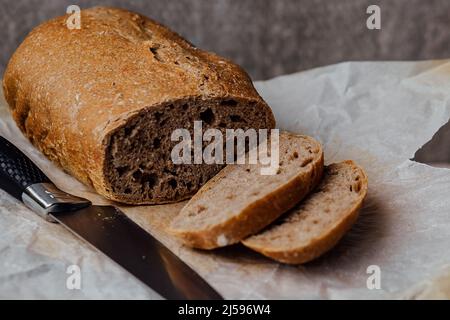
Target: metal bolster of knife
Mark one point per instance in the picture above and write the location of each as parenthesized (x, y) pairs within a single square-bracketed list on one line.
[(45, 198)]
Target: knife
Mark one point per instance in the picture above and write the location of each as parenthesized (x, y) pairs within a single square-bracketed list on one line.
[(104, 227)]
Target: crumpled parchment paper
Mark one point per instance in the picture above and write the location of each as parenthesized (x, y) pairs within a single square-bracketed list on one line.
[(378, 114)]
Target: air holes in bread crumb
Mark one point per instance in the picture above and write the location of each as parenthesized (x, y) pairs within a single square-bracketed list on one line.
[(150, 179), (156, 143), (128, 130), (173, 183), (137, 175), (207, 116), (122, 170), (158, 115), (230, 103), (236, 118)]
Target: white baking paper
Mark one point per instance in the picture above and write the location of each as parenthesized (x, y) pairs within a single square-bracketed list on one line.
[(378, 114)]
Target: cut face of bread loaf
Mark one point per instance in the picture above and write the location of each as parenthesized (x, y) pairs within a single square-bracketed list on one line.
[(239, 201), (102, 101), (319, 221)]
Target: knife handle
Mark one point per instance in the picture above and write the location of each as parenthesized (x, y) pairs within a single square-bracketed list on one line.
[(22, 179), (17, 171)]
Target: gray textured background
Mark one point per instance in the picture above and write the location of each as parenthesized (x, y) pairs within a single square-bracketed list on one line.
[(270, 38)]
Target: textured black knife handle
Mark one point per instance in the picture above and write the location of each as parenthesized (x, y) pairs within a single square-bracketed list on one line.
[(17, 171)]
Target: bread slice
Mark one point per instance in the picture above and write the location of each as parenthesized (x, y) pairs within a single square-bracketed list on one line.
[(239, 201), (104, 100), (317, 223)]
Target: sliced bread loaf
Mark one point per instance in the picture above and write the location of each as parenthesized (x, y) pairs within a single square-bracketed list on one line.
[(103, 101), (239, 201), (317, 223)]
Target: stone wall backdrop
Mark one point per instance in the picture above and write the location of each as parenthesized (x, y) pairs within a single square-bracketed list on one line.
[(270, 38)]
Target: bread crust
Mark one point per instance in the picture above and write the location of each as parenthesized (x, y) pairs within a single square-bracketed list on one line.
[(70, 90), (258, 214), (320, 245)]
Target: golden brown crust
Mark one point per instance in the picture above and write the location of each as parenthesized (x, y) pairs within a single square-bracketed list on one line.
[(69, 90), (257, 214), (320, 245)]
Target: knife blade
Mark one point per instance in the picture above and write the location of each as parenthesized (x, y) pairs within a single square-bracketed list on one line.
[(106, 228)]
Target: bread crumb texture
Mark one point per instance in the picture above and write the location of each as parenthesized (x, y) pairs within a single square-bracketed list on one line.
[(239, 201), (317, 223)]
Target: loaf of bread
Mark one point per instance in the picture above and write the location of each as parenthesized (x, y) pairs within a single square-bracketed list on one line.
[(319, 221), (102, 101), (239, 201)]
